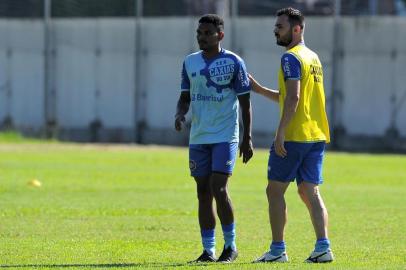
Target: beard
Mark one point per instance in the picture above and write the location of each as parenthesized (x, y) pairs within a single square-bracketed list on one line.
[(284, 41), (204, 46)]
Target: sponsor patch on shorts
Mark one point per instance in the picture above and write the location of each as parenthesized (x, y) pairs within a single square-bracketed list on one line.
[(192, 165)]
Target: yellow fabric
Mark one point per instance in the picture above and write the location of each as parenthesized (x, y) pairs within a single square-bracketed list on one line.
[(309, 123)]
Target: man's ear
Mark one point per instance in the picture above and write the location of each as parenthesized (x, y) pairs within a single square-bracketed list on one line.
[(297, 29), (221, 35)]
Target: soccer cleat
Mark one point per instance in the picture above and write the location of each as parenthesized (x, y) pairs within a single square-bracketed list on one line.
[(228, 255), (205, 257), (268, 257), (320, 257)]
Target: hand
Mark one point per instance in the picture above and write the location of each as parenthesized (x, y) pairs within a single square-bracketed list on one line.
[(179, 119), (246, 150), (279, 144)]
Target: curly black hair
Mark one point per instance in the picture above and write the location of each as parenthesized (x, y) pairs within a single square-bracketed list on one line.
[(214, 19), (295, 16)]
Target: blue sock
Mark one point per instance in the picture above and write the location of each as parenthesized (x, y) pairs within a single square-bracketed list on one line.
[(229, 236), (322, 244), (277, 248), (209, 241)]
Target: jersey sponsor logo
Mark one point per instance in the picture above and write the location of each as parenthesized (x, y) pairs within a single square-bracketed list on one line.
[(219, 74), (229, 162), (286, 68), (242, 78), (200, 97), (317, 72)]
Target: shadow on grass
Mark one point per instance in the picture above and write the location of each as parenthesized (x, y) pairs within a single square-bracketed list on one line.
[(102, 265)]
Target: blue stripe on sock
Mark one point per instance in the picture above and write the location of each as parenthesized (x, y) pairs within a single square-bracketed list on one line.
[(322, 244), (278, 244), (322, 239), (228, 228), (277, 248), (209, 241), (229, 235), (207, 233)]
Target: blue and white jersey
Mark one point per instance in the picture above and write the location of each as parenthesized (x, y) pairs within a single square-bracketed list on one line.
[(214, 85)]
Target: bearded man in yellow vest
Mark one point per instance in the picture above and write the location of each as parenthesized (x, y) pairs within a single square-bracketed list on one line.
[(298, 148)]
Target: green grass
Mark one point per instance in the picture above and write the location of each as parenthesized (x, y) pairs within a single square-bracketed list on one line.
[(120, 207), (12, 136)]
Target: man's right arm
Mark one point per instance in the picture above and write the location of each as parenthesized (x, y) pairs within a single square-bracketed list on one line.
[(181, 109), (184, 100), (266, 92)]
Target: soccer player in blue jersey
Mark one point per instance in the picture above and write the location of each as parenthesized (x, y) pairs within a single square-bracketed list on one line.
[(215, 84), (298, 148)]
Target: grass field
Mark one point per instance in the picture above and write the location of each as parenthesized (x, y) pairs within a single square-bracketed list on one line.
[(123, 207)]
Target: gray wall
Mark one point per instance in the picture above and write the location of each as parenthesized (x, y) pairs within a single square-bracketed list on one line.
[(92, 72), (22, 73)]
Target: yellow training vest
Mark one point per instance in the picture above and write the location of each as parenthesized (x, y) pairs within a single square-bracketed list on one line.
[(309, 123)]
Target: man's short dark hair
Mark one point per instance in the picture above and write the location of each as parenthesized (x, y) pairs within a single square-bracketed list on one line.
[(295, 16), (214, 19)]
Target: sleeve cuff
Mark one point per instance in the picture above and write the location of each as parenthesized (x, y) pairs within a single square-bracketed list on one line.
[(243, 93)]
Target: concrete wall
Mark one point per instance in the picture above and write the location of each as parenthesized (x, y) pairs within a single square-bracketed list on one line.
[(372, 74), (93, 75), (22, 73)]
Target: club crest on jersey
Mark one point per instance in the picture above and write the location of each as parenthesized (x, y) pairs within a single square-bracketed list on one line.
[(219, 73)]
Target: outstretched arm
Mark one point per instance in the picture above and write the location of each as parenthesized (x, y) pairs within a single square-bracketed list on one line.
[(181, 109), (246, 148), (266, 92)]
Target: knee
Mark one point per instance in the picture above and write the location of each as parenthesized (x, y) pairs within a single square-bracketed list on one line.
[(219, 192), (204, 193), (273, 193), (311, 196)]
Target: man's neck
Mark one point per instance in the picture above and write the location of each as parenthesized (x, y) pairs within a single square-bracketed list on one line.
[(212, 53), (295, 43)]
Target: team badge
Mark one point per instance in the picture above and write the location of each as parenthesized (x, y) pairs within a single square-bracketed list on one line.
[(219, 73)]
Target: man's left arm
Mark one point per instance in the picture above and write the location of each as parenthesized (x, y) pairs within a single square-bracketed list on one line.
[(289, 109), (246, 148), (292, 73)]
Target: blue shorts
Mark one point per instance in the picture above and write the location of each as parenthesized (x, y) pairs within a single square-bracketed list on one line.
[(204, 159), (303, 163)]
